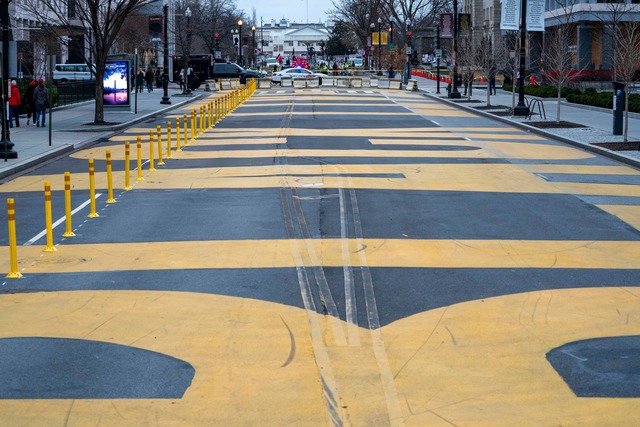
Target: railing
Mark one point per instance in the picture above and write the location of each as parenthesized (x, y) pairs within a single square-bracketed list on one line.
[(75, 92)]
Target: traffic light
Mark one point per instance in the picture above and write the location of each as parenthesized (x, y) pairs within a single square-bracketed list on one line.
[(217, 41)]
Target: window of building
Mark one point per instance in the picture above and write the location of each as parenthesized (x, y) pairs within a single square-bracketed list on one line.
[(71, 9)]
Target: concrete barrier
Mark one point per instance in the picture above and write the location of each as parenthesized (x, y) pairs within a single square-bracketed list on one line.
[(395, 84), (412, 84), (373, 81), (342, 82), (383, 83), (225, 84), (313, 82), (328, 81), (355, 82), (286, 82), (264, 83), (299, 83), (210, 85)]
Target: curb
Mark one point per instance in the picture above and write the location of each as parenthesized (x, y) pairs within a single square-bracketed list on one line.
[(34, 161), (587, 147), (108, 131)]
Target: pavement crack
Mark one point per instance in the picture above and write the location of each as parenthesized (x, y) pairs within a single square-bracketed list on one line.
[(415, 353)]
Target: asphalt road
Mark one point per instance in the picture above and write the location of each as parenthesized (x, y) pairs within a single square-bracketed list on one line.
[(329, 257)]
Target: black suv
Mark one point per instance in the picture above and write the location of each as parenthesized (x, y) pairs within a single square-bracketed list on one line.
[(225, 70)]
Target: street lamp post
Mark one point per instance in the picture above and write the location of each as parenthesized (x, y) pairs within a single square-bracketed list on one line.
[(187, 71), (253, 44), (165, 59), (373, 28), (240, 61), (379, 46), (5, 143), (521, 109), (454, 94)]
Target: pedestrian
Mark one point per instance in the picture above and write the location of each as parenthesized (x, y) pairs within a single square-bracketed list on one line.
[(41, 101), (139, 80), (391, 73), (181, 78), (149, 78), (28, 102), (14, 104)]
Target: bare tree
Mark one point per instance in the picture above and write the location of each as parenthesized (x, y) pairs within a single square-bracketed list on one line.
[(465, 60), (627, 59), (616, 13), (134, 34), (357, 15), (483, 53), (558, 61), (559, 67), (214, 16), (103, 19)]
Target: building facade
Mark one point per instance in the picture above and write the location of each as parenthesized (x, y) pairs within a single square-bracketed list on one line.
[(288, 39), (591, 24)]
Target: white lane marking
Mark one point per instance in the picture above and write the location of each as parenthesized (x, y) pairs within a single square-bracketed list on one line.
[(58, 222)]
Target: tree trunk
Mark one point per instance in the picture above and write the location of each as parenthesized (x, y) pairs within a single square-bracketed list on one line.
[(489, 92), (558, 106), (626, 116), (98, 117)]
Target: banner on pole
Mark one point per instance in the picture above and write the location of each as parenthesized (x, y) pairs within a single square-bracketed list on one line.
[(510, 15), (446, 25)]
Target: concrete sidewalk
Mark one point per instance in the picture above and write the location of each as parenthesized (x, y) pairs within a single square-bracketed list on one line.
[(69, 128), (598, 121)]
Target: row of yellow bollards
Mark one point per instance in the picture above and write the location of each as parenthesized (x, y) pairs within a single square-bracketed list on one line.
[(200, 120)]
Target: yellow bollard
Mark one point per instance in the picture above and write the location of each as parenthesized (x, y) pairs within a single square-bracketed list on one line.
[(48, 218), (184, 122), (92, 191), (139, 150), (110, 198), (193, 125), (127, 166), (178, 134), (159, 134), (152, 154), (67, 206), (13, 245), (168, 140)]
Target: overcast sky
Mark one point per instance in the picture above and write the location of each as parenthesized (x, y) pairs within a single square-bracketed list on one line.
[(293, 10)]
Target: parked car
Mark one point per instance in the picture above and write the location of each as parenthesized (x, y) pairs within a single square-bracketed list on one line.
[(69, 72), (296, 73), (227, 70)]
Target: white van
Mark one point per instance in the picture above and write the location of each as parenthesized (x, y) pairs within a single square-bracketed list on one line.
[(69, 72)]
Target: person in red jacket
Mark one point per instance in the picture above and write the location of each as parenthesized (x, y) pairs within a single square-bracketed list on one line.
[(14, 104)]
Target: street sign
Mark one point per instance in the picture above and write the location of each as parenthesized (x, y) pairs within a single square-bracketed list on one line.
[(438, 53), (409, 50)]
